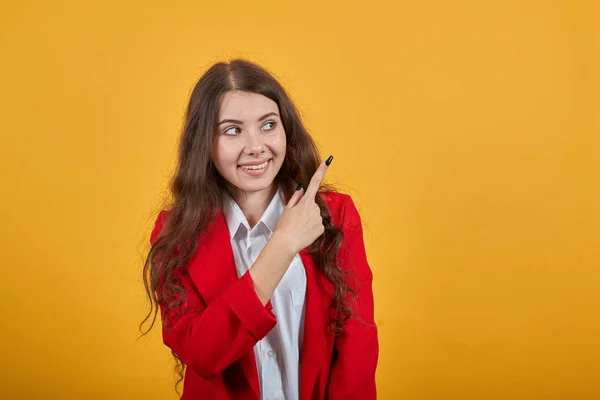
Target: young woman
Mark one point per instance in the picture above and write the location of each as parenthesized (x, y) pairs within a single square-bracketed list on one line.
[(258, 269)]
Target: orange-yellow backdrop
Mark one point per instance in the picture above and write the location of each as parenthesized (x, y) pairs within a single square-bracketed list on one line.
[(467, 132)]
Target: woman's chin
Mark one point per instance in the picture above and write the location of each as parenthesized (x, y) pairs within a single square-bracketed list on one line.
[(257, 185), (253, 188)]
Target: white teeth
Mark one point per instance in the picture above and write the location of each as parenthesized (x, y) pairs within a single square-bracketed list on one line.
[(259, 166)]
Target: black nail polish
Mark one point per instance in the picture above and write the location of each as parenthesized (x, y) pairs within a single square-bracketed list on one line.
[(329, 160), (299, 187)]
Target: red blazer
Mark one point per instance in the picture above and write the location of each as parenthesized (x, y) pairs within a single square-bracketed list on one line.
[(215, 330)]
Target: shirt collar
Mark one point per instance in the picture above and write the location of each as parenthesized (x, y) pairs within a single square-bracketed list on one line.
[(235, 218)]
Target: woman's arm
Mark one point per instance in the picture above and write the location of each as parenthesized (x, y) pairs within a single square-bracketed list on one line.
[(208, 339), (353, 373)]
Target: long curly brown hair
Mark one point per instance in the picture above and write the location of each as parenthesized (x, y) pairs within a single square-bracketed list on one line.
[(197, 189)]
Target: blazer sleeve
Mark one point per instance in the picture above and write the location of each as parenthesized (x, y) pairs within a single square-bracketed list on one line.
[(353, 372), (208, 339)]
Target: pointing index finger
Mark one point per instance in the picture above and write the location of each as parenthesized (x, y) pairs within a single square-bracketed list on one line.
[(315, 182)]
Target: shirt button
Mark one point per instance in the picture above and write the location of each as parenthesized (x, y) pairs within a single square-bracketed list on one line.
[(271, 353)]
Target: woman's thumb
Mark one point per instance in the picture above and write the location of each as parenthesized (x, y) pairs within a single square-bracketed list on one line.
[(295, 197)]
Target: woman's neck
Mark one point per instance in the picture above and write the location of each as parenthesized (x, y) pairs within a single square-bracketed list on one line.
[(254, 204)]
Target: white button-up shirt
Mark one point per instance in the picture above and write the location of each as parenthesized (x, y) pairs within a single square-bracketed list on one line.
[(277, 354)]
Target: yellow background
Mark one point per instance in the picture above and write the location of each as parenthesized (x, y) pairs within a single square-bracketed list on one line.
[(466, 131)]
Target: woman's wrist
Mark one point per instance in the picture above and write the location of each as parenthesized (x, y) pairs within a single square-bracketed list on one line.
[(283, 244)]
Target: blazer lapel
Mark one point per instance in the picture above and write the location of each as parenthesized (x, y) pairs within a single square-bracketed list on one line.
[(314, 344), (213, 269)]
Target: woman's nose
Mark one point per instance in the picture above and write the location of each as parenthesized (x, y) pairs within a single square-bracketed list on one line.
[(254, 144)]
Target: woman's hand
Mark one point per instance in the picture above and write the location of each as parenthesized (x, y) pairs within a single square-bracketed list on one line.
[(300, 223)]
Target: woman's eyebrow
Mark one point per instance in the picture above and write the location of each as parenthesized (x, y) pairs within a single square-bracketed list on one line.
[(237, 121), (230, 121), (267, 115)]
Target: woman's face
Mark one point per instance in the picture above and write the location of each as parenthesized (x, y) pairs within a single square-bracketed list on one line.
[(250, 145)]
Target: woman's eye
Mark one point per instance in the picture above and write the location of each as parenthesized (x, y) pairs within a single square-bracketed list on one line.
[(234, 130), (270, 125)]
